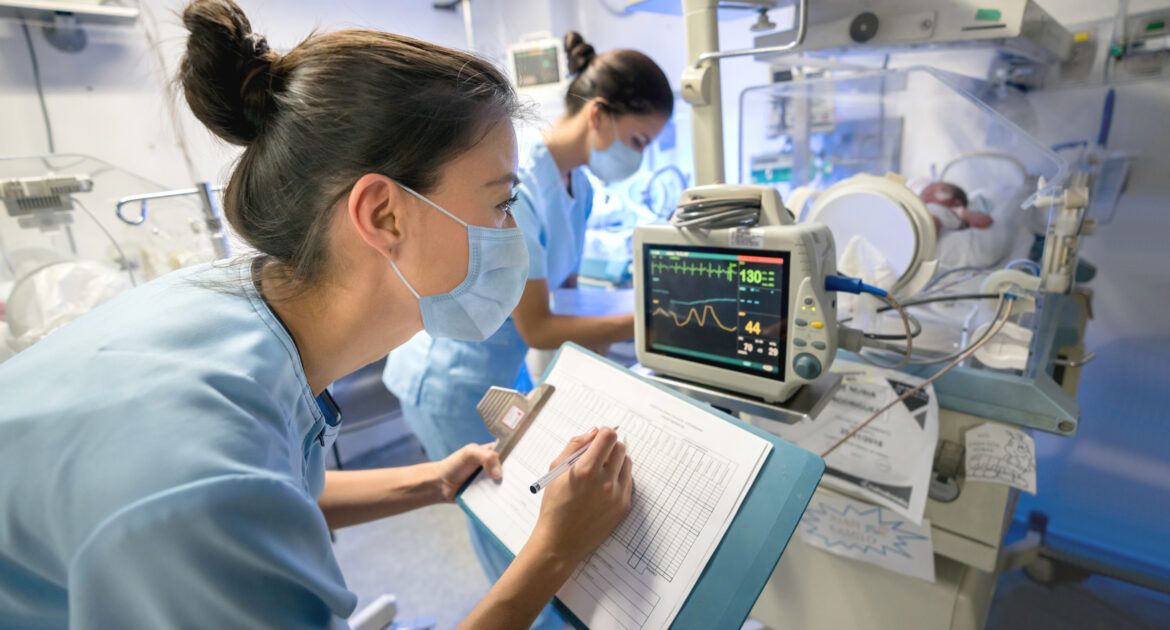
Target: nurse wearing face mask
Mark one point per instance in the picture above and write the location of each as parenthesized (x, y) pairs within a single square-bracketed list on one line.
[(616, 105), (163, 462)]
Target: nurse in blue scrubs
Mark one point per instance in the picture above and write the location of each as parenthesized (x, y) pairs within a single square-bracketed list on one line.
[(163, 455), (616, 105)]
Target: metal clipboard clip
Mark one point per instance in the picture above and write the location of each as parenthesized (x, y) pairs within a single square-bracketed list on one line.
[(508, 414)]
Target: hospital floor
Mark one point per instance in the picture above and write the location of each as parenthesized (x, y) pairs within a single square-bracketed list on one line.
[(425, 559)]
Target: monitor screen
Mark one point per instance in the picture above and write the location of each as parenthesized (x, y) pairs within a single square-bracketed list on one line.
[(722, 307), (536, 66)]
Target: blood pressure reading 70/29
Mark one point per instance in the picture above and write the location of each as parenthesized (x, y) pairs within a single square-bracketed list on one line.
[(721, 307)]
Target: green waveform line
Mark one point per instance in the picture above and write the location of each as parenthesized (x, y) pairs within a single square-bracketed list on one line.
[(727, 272)]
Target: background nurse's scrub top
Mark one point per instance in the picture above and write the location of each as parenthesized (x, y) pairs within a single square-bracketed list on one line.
[(439, 381), (162, 456)]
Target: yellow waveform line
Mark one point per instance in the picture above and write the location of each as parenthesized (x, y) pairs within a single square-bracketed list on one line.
[(701, 318)]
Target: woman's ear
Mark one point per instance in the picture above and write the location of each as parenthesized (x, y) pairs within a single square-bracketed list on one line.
[(375, 209), (596, 114)]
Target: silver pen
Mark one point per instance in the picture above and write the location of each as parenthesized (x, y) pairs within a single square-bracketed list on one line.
[(559, 470)]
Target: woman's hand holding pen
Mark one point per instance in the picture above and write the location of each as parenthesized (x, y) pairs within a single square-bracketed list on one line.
[(580, 508)]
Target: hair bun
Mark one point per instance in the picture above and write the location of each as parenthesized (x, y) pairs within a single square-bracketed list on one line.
[(579, 52), (227, 71)]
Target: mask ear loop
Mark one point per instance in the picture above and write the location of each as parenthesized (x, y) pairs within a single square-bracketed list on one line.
[(403, 279), (433, 205), (436, 207)]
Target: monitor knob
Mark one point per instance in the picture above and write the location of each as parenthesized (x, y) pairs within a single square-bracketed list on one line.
[(806, 366), (863, 27)]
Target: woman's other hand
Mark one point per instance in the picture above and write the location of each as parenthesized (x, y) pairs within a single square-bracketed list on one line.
[(454, 470)]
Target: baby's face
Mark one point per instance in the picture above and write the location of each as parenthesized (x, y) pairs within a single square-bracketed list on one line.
[(942, 194)]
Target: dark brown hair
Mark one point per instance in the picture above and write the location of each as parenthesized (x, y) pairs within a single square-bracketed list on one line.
[(628, 81), (315, 119)]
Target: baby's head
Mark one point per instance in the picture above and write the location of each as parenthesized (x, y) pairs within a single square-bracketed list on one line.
[(948, 205)]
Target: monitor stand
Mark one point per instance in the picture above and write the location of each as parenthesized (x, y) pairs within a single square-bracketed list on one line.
[(805, 404)]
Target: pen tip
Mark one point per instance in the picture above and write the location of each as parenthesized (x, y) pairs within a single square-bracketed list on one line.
[(534, 488)]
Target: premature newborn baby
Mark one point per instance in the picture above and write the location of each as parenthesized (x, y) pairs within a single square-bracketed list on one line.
[(947, 204)]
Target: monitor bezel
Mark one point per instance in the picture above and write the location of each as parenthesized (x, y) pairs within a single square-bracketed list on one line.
[(786, 300)]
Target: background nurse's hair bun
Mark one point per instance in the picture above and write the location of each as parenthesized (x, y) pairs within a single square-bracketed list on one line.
[(579, 52), (229, 75)]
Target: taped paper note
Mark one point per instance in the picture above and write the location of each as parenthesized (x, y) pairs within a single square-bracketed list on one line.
[(1003, 455), (869, 533)]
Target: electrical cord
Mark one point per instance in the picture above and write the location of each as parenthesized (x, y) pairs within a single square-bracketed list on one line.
[(1001, 319), (917, 302), (906, 323), (113, 241), (915, 330), (36, 70), (934, 361), (713, 214), (846, 284), (956, 297)]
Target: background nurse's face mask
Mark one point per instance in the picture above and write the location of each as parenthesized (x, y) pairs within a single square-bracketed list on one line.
[(497, 268), (617, 162)]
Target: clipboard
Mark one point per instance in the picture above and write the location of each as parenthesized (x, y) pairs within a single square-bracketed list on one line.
[(745, 558)]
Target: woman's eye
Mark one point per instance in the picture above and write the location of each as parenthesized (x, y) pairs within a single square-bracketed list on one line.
[(507, 205)]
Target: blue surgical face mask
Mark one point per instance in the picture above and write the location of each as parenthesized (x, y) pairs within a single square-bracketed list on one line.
[(616, 163), (497, 268)]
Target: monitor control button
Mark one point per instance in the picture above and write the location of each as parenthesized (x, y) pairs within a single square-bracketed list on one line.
[(800, 343), (802, 323), (819, 345), (806, 366)]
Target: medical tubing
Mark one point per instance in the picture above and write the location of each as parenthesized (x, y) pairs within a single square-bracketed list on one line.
[(1001, 320), (934, 361), (113, 241)]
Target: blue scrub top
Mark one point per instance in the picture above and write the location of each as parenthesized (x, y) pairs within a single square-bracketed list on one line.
[(162, 459), (443, 378)]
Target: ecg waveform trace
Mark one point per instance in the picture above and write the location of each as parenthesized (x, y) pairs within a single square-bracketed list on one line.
[(727, 271), (701, 318)]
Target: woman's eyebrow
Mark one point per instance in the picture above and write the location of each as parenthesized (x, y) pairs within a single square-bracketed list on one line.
[(509, 178)]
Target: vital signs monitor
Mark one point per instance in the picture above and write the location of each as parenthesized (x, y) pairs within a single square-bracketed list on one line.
[(732, 295)]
